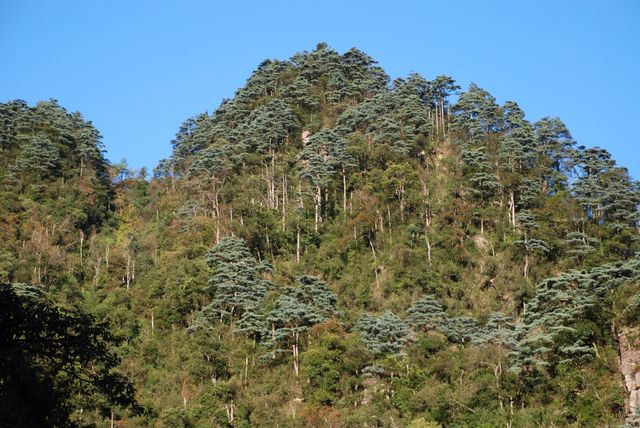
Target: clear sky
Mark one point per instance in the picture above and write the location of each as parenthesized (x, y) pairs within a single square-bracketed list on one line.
[(137, 69)]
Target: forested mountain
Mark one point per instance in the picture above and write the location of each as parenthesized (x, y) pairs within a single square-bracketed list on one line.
[(327, 248)]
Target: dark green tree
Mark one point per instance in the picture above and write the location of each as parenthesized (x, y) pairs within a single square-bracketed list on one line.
[(40, 155), (475, 112), (55, 362), (236, 282)]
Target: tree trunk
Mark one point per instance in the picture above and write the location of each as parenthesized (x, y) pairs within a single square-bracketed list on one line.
[(344, 191), (284, 202), (318, 202), (128, 272), (298, 244), (246, 364), (296, 341), (81, 244), (512, 209)]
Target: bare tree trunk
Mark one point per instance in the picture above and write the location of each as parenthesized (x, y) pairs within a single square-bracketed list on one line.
[(296, 342), (284, 202), (128, 273), (297, 243), (96, 268), (318, 202), (344, 191), (81, 245), (375, 259), (512, 209), (246, 366), (350, 202), (426, 238), (273, 180)]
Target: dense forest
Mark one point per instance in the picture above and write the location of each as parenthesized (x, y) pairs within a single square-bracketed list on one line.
[(329, 247)]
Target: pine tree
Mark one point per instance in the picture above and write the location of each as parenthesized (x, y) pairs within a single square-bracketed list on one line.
[(475, 111), (579, 245), (322, 157), (253, 324), (296, 310), (39, 154), (426, 314), (235, 284), (499, 330), (554, 146), (552, 331), (386, 334), (527, 223)]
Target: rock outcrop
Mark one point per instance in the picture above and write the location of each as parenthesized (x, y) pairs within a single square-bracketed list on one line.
[(629, 343)]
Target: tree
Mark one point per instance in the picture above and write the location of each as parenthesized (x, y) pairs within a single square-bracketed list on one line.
[(194, 135), (527, 222), (475, 111), (499, 330), (426, 314), (55, 362), (459, 329), (322, 157), (39, 154), (605, 191), (400, 179), (365, 76), (386, 334), (565, 318), (298, 309), (253, 324), (212, 166), (235, 284), (484, 184), (579, 245), (265, 131), (516, 154), (440, 89), (554, 146)]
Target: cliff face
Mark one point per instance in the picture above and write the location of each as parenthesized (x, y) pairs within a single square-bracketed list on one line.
[(629, 342)]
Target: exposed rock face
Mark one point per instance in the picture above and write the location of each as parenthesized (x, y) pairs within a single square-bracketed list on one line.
[(305, 136), (629, 342), (480, 241)]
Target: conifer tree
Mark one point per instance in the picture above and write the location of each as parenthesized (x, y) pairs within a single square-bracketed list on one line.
[(426, 314), (475, 111), (322, 157), (527, 223), (298, 309), (236, 282), (386, 334), (38, 154)]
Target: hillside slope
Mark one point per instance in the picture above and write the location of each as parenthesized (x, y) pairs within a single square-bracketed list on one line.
[(330, 248)]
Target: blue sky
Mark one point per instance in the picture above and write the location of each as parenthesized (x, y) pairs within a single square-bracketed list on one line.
[(137, 69)]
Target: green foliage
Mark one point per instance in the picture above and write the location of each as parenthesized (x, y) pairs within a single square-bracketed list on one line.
[(330, 195), (236, 283), (384, 334), (55, 362)]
